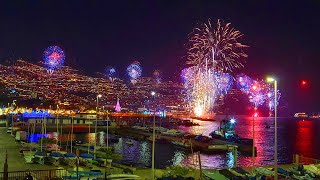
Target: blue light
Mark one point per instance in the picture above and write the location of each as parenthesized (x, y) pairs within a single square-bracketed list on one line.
[(36, 114), (232, 121)]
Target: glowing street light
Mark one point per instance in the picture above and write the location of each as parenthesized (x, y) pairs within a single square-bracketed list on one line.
[(270, 80), (153, 135), (95, 129)]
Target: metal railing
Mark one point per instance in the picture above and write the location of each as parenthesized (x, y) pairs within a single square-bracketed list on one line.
[(299, 159), (36, 174)]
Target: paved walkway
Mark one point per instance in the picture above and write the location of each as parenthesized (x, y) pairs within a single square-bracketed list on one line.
[(16, 162)]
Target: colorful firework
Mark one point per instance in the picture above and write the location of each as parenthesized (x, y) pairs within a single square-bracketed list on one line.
[(53, 57), (259, 92), (216, 46), (134, 71), (224, 82), (271, 98), (157, 75), (200, 88), (110, 73), (244, 83)]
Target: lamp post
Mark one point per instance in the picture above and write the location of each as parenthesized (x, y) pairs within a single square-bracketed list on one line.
[(95, 129), (153, 135), (107, 129), (253, 137), (275, 128)]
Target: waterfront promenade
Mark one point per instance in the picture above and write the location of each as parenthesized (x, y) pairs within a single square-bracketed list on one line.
[(16, 161)]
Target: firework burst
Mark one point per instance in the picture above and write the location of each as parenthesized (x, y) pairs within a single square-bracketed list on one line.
[(200, 89), (213, 50), (53, 58), (134, 71), (217, 46), (110, 73), (224, 82), (259, 92)]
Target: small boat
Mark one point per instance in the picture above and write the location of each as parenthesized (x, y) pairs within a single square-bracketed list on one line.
[(130, 143), (39, 157), (214, 175), (301, 115), (180, 143), (123, 176), (174, 132), (218, 147), (86, 159), (69, 159), (57, 157), (140, 128), (264, 171)]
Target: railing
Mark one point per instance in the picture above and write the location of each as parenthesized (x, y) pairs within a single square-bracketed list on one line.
[(36, 174), (299, 159)]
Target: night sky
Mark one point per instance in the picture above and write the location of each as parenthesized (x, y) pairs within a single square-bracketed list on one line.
[(282, 35)]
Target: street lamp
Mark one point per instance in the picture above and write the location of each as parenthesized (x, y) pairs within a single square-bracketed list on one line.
[(253, 137), (95, 129), (153, 135), (270, 79)]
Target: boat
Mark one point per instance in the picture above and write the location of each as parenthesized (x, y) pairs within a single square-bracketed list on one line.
[(57, 158), (69, 159), (181, 143), (86, 159), (301, 115), (130, 143), (264, 171), (315, 116), (220, 147), (123, 176), (214, 175), (39, 157), (140, 128), (174, 132)]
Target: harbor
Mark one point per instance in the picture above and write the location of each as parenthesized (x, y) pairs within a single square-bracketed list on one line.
[(97, 170)]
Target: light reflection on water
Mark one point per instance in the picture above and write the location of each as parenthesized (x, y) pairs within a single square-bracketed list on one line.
[(294, 136)]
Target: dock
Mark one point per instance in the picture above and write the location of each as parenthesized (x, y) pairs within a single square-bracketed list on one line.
[(210, 146)]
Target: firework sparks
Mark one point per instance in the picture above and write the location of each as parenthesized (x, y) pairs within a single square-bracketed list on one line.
[(53, 58), (110, 73), (216, 46), (213, 50), (259, 92), (224, 83), (134, 71)]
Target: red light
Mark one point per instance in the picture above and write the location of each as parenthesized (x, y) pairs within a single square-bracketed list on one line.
[(255, 114), (254, 87), (304, 83)]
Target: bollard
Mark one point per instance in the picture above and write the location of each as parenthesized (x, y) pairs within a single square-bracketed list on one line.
[(297, 159)]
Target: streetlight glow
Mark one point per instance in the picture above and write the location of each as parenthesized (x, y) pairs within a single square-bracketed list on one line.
[(270, 79), (99, 96), (153, 93)]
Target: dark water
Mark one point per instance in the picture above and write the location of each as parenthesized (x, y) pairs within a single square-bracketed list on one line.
[(294, 137)]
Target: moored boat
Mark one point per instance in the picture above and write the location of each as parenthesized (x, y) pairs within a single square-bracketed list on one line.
[(301, 115)]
